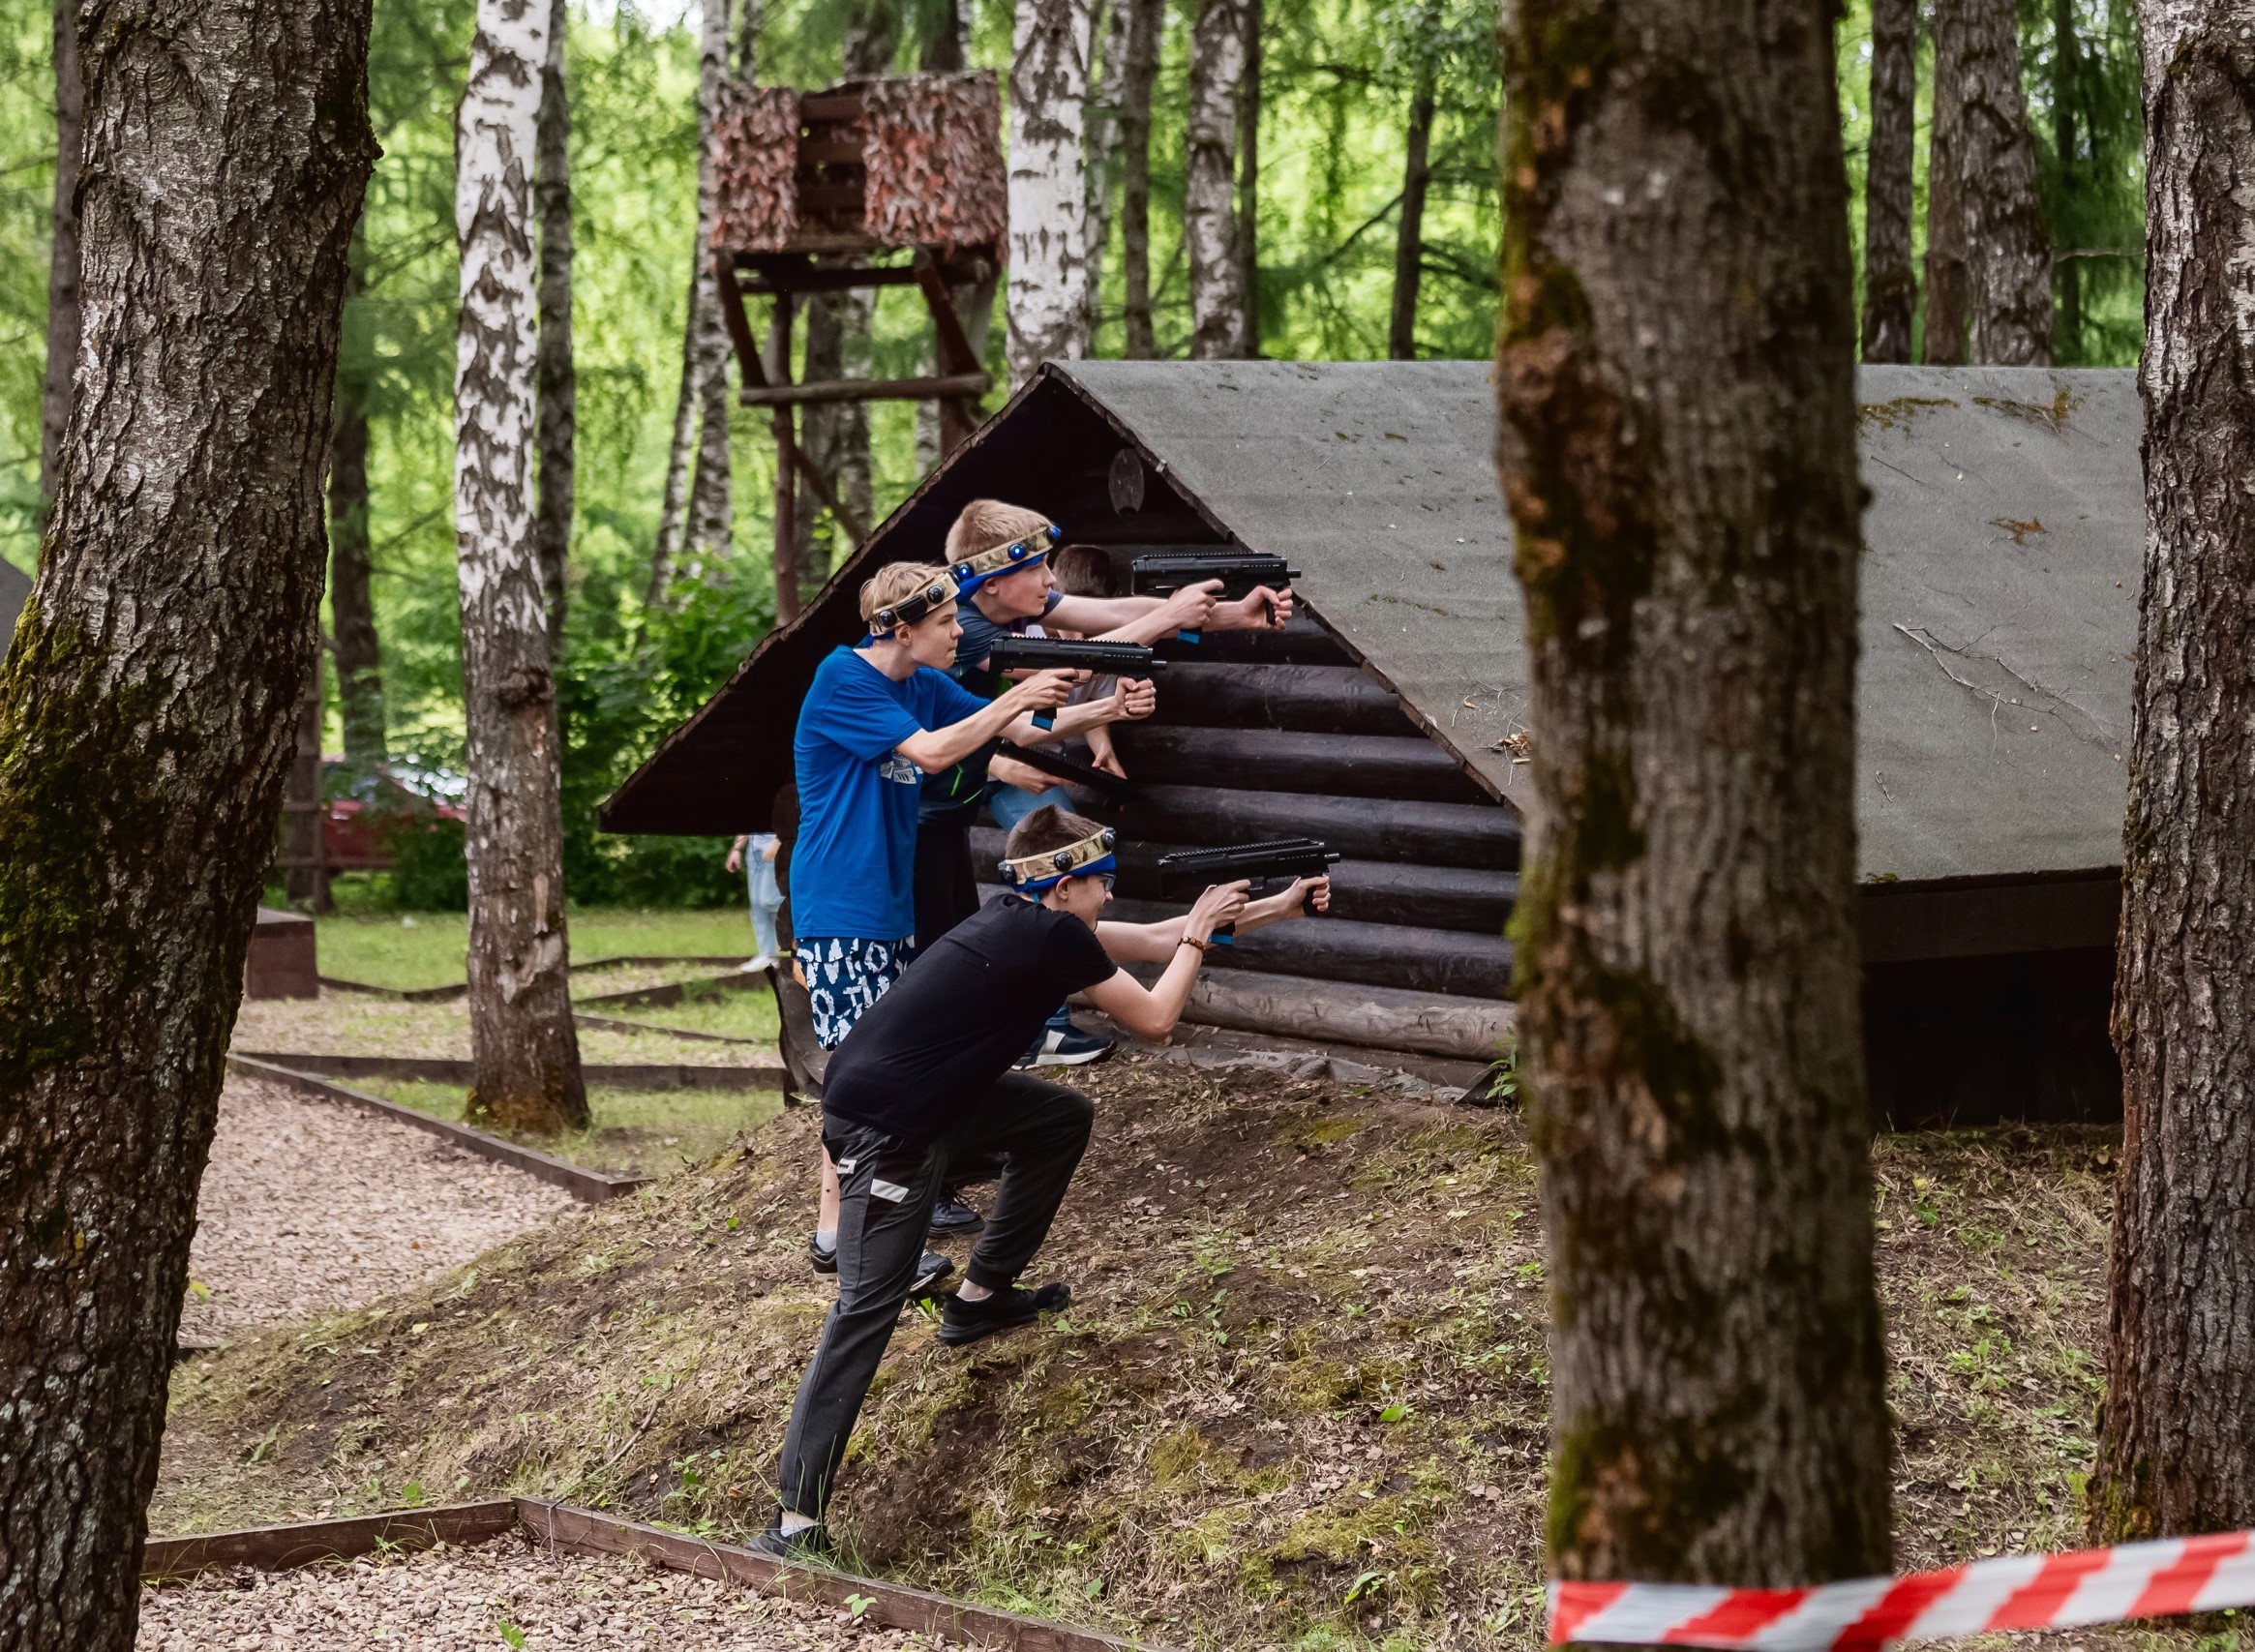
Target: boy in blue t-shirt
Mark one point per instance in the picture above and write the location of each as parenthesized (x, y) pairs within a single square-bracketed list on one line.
[(875, 719)]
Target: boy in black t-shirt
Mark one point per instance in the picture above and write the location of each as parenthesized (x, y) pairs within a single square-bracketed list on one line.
[(924, 1079)]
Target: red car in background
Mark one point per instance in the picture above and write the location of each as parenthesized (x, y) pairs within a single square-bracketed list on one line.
[(367, 806)]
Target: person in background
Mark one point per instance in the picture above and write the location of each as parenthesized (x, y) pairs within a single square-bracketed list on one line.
[(766, 893)]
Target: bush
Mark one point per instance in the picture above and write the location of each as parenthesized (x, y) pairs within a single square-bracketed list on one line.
[(429, 867)]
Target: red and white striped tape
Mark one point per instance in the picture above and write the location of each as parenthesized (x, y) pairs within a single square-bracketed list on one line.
[(2020, 1591)]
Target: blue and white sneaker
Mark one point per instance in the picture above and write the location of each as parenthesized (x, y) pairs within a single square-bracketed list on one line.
[(1065, 1046)]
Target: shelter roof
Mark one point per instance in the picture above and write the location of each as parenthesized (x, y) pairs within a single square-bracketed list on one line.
[(1999, 606)]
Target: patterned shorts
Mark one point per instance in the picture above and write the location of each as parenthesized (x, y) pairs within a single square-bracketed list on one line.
[(845, 977)]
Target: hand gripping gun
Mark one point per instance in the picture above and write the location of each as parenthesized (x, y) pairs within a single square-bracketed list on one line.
[(1240, 572), (1056, 653), (1280, 858)]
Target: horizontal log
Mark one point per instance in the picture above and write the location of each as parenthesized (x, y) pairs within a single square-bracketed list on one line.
[(1377, 1017), (619, 1075), (307, 1543), (763, 274), (1317, 700), (1463, 898), (1422, 834), (829, 390), (1375, 955), (1302, 643), (1279, 760)]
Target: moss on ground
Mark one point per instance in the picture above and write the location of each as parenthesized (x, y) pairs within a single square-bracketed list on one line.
[(1300, 1398)]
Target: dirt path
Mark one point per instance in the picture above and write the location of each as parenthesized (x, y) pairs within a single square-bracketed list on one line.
[(502, 1593), (309, 1205)]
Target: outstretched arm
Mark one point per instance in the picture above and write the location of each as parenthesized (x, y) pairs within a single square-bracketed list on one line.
[(1156, 942), (1152, 1013), (934, 749)]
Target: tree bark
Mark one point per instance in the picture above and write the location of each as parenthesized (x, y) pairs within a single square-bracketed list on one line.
[(1248, 183), (145, 724), (62, 250), (1676, 442), (1943, 342), (1409, 239), (524, 1048), (711, 490), (1209, 207), (2180, 1353), (351, 558), (1890, 288), (2009, 251), (747, 42), (1145, 18), (673, 497), (1048, 255), (556, 383), (946, 51), (2067, 95), (306, 877), (1103, 151)]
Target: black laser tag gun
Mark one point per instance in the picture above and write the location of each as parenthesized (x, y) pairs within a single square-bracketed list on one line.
[(1282, 858), (1057, 653), (1079, 773), (1164, 573)]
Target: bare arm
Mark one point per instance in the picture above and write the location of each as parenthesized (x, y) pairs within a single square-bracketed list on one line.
[(934, 749), (1129, 701), (1152, 1013), (1156, 942)]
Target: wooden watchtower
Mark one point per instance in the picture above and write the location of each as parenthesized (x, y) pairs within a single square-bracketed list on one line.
[(885, 182)]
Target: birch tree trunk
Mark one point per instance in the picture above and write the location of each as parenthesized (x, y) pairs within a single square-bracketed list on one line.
[(556, 383), (711, 503), (351, 603), (1145, 18), (1676, 442), (1049, 256), (1103, 151), (2180, 1350), (1409, 240), (1943, 342), (1248, 183), (1208, 183), (2008, 249), (62, 250), (146, 718), (525, 1050), (674, 500), (1890, 288)]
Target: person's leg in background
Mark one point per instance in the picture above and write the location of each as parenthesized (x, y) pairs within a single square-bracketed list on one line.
[(1062, 1042), (767, 901)]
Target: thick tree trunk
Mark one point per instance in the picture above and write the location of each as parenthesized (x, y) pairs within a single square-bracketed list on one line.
[(1890, 289), (524, 1049), (1103, 150), (62, 250), (2008, 248), (556, 384), (145, 724), (2066, 97), (1409, 239), (1209, 198), (711, 492), (1048, 254), (351, 560), (1145, 18), (1676, 441), (1942, 343), (2180, 1357), (1249, 181)]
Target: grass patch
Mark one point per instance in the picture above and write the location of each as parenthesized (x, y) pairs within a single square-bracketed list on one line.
[(636, 1133), (733, 1014), (426, 948)]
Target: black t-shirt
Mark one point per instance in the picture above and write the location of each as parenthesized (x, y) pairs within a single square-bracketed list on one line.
[(959, 1016)]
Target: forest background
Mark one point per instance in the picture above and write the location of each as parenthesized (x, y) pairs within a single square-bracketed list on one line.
[(1337, 81)]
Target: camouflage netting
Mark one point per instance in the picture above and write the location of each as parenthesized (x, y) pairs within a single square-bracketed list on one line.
[(932, 164), (934, 155), (756, 145)]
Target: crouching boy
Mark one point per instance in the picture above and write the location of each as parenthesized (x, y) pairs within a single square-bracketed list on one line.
[(924, 1079)]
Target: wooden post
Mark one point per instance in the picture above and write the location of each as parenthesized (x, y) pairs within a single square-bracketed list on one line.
[(958, 416), (786, 558)]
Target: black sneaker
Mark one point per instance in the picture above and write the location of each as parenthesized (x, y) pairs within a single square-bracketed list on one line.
[(930, 1271), (807, 1545), (826, 1261), (962, 1322), (951, 1215)]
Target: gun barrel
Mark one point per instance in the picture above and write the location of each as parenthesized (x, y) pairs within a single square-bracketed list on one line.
[(1239, 571), (1046, 653), (1296, 856)]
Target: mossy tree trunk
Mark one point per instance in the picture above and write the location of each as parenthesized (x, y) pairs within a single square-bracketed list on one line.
[(1890, 290), (522, 1044), (2180, 1352), (146, 715), (1676, 442)]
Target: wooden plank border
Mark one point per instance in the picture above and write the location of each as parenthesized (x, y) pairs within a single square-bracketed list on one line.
[(638, 1076), (583, 1531), (278, 1548), (591, 1185)]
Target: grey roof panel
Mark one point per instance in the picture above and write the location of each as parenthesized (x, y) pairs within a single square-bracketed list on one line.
[(2004, 546)]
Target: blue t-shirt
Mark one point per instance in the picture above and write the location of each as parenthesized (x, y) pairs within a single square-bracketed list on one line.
[(853, 868)]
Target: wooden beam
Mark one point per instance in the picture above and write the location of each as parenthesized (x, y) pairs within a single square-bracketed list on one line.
[(826, 490), (624, 1075), (958, 416), (278, 1549), (739, 326), (785, 272), (867, 390)]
